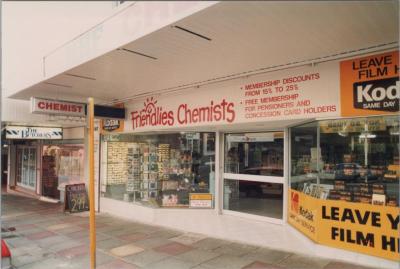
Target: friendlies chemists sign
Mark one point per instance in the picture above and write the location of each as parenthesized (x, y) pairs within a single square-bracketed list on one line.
[(304, 92), (154, 115), (357, 87)]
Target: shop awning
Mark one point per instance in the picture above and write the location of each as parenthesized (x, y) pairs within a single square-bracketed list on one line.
[(199, 43)]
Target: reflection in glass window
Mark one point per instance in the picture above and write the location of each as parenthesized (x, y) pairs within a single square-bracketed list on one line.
[(258, 198), (303, 145), (254, 153)]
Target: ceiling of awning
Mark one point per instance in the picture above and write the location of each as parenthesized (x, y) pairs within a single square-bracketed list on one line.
[(243, 37)]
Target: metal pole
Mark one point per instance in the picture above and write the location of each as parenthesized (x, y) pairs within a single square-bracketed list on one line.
[(92, 218)]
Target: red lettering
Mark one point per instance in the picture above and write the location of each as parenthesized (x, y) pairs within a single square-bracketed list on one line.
[(217, 112), (180, 120), (164, 117), (231, 112), (195, 115), (41, 105), (223, 104), (135, 117), (64, 107), (170, 118)]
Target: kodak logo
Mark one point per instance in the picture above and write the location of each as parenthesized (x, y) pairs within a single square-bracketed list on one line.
[(382, 95)]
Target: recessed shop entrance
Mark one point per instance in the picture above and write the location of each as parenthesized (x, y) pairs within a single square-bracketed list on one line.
[(253, 179), (26, 167)]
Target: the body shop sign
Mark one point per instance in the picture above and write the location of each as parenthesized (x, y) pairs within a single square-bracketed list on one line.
[(298, 93), (24, 132)]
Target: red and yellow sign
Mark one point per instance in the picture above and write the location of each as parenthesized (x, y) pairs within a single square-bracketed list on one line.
[(370, 85), (200, 200), (365, 228)]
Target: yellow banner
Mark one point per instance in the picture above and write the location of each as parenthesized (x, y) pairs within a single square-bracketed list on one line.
[(365, 228), (201, 196), (353, 125)]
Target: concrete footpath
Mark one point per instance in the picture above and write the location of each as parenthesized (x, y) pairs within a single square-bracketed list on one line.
[(47, 238)]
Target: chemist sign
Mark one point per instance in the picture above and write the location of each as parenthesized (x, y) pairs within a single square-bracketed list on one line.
[(26, 132), (57, 107)]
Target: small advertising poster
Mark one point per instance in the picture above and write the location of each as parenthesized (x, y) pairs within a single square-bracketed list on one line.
[(112, 125), (76, 198), (303, 212), (370, 85), (200, 200)]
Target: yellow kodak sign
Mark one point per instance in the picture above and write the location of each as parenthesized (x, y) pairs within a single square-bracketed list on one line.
[(365, 228)]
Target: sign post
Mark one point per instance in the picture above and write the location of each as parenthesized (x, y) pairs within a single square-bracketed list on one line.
[(91, 184)]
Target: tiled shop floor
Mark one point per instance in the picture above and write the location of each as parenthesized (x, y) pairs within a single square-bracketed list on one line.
[(47, 238)]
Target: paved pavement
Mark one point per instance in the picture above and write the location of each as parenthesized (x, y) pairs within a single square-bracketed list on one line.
[(47, 238)]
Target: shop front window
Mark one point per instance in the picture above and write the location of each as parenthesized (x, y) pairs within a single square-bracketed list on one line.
[(357, 160), (165, 170), (61, 165), (304, 155)]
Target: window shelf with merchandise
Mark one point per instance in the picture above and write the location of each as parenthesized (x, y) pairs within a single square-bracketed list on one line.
[(159, 170), (353, 160)]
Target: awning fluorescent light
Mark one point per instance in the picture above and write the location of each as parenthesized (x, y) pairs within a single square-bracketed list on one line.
[(56, 84), (138, 53), (191, 32), (79, 76)]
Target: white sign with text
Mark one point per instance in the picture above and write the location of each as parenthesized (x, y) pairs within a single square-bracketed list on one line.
[(25, 132), (297, 93)]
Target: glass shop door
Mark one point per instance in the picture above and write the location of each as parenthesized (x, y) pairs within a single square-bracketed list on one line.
[(254, 175), (26, 167)]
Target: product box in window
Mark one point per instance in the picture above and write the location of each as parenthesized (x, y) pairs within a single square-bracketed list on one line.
[(169, 200), (378, 199), (378, 188), (361, 197), (392, 173), (307, 188), (364, 187), (345, 196), (334, 195), (392, 201), (339, 185)]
